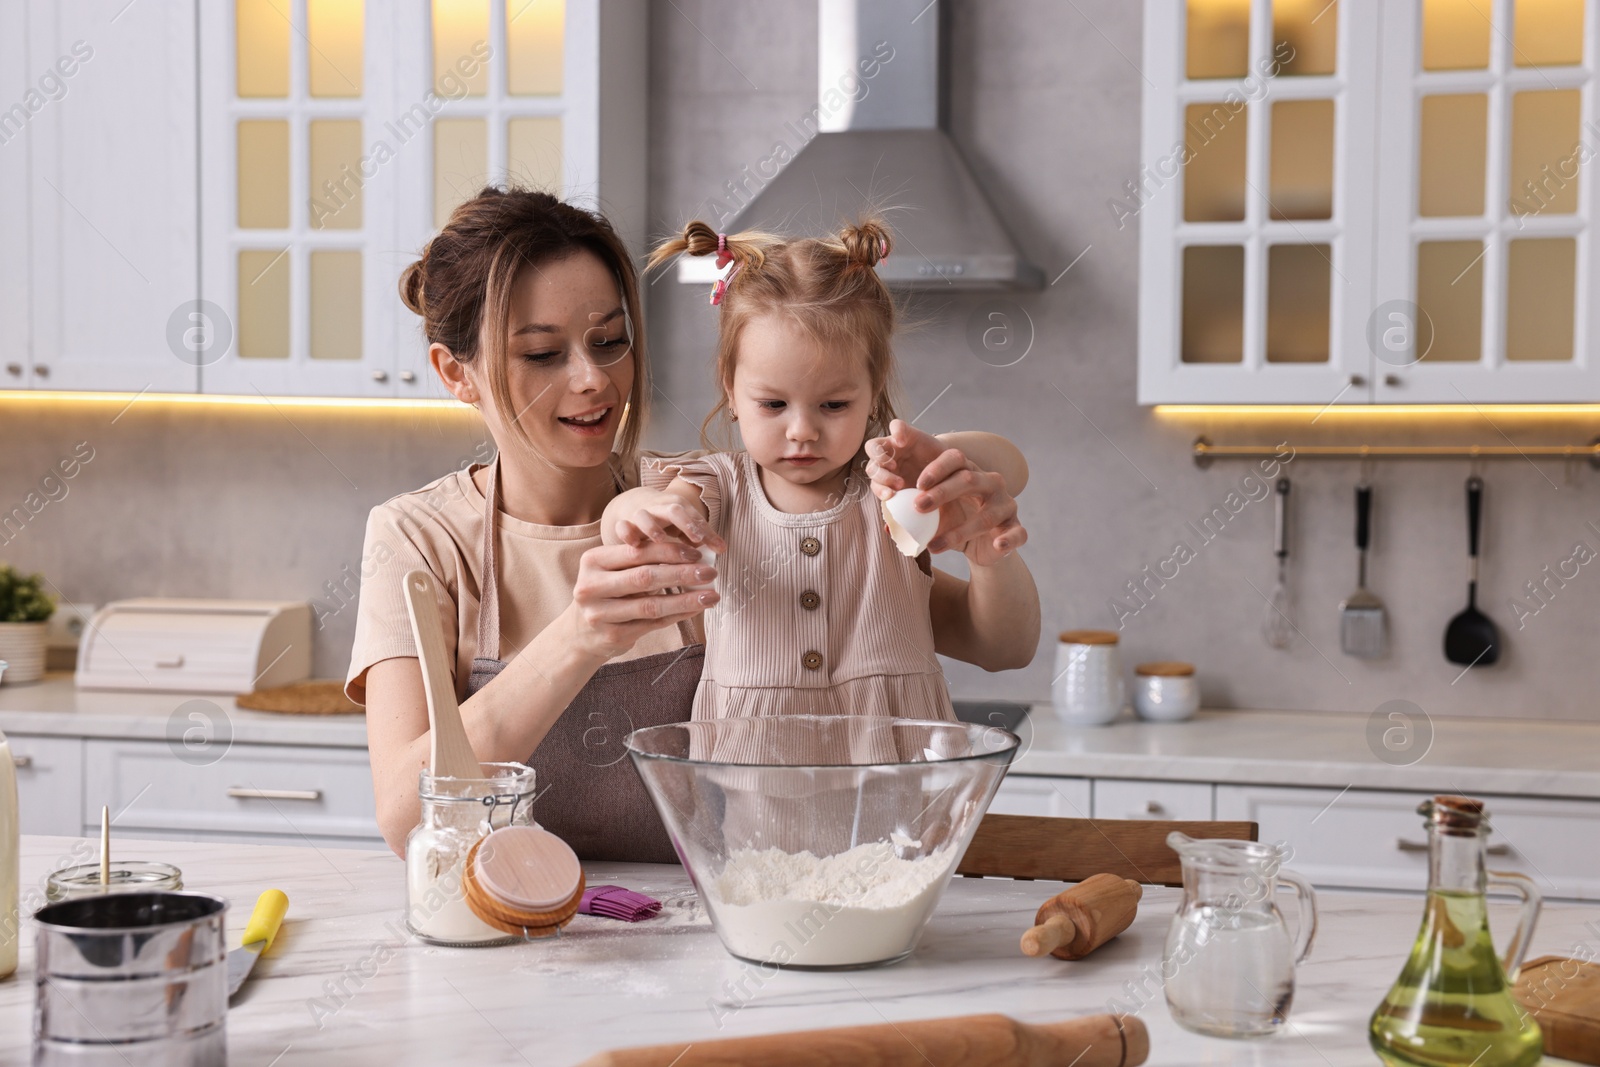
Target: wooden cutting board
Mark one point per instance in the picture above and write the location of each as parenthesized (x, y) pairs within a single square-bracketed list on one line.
[(1563, 996)]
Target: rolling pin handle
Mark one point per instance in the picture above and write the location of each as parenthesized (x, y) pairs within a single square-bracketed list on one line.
[(1048, 936)]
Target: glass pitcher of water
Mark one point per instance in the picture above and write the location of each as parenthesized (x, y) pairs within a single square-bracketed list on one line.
[(1229, 959)]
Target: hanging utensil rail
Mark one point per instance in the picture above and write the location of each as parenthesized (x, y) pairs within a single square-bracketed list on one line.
[(1205, 451)]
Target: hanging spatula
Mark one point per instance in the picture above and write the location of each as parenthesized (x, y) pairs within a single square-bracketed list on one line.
[(451, 753), (1471, 639), (1363, 623), (1277, 626)]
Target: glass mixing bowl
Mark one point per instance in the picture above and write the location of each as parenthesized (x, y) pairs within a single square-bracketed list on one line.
[(821, 841)]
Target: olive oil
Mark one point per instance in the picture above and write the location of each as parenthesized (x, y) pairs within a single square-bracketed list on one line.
[(1452, 1004)]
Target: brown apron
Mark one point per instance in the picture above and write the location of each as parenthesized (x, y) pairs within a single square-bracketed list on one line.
[(589, 793)]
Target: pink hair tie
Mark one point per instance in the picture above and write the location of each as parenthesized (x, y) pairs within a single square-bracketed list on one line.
[(724, 257), (883, 249)]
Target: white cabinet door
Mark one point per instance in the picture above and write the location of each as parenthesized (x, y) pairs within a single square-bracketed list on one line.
[(49, 783), (112, 193), (1062, 798), (1485, 257), (1129, 798), (1369, 839), (16, 361), (284, 790)]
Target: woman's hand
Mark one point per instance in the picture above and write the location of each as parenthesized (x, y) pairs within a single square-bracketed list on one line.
[(977, 513), (620, 594)]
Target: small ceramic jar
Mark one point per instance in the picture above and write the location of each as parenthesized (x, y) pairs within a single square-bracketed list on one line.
[(1088, 688), (1165, 692)]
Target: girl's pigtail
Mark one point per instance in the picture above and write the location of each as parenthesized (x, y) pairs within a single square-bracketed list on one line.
[(866, 243)]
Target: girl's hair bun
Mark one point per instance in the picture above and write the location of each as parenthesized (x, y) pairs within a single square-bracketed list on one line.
[(866, 243), (411, 285)]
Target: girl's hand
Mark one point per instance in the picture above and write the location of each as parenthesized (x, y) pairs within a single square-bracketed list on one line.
[(666, 521), (976, 513), (620, 594)]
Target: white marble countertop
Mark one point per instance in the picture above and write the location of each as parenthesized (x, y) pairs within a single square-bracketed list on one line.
[(344, 984), (1510, 756), (54, 706)]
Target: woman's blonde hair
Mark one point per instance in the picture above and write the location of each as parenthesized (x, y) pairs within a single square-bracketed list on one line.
[(465, 275), (826, 285)]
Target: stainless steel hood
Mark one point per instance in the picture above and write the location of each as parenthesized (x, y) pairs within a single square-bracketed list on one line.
[(873, 143)]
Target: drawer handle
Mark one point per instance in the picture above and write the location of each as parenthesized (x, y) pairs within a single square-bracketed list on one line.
[(1422, 846), (1153, 807), (21, 763), (240, 792), (172, 662)]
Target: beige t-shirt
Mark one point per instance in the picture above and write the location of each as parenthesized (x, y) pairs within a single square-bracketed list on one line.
[(439, 528)]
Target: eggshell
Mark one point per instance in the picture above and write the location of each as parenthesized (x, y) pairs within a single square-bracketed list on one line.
[(909, 529)]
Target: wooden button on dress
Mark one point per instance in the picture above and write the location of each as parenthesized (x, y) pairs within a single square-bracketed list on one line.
[(811, 661), (810, 546), (809, 600)]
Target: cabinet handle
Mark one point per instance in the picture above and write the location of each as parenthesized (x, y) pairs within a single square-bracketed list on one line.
[(1153, 807), (21, 763), (380, 375), (240, 792), (1403, 845), (1358, 380), (1393, 381), (41, 370), (14, 369), (408, 376)]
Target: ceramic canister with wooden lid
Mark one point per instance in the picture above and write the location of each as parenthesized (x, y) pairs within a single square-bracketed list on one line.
[(1165, 691), (1088, 688)]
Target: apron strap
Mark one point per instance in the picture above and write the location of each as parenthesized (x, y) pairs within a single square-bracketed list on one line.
[(489, 594)]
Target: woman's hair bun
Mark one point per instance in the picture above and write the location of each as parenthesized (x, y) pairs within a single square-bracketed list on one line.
[(411, 285), (867, 242)]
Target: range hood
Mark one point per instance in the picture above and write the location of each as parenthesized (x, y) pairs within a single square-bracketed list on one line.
[(873, 142)]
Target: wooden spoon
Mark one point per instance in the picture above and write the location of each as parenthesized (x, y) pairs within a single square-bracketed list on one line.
[(451, 754)]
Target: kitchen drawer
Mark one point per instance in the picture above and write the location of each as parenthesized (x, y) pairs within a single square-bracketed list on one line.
[(1065, 798), (1133, 798), (1374, 839), (285, 790), (49, 783)]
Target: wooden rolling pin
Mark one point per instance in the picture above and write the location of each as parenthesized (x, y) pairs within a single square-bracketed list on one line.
[(1074, 923), (968, 1040)]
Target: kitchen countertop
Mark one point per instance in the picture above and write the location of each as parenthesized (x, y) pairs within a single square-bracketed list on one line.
[(1491, 756), (344, 984), (54, 706), (1510, 756)]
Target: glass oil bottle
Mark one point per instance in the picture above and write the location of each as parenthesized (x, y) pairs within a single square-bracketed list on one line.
[(1452, 1004)]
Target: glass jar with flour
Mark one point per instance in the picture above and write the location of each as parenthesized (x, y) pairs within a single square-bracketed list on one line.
[(456, 813)]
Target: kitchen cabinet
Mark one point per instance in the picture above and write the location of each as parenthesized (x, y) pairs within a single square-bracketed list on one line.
[(104, 96), (335, 147), (1126, 798), (323, 141), (49, 783), (1348, 203), (1373, 839), (272, 791), (1061, 798)]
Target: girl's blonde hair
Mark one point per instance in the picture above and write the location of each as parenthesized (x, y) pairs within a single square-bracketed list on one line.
[(826, 285), (466, 273)]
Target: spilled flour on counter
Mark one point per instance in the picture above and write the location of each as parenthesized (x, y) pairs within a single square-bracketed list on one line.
[(860, 906)]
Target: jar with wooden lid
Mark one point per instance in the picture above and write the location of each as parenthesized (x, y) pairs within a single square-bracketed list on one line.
[(1165, 691), (1088, 688)]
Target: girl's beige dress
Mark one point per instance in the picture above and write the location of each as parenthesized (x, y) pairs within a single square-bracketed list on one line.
[(819, 613)]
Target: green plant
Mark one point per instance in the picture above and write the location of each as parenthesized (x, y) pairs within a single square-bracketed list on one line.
[(22, 597)]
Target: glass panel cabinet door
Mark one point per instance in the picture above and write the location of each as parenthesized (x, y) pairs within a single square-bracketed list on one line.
[(1486, 175), (1255, 201)]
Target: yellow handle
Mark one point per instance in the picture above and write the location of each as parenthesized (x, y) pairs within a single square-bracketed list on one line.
[(264, 921)]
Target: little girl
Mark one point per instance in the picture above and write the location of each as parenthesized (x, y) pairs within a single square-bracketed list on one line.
[(819, 612)]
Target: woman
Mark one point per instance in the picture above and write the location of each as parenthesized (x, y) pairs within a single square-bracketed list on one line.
[(563, 645)]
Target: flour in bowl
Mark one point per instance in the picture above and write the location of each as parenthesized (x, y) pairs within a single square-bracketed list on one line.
[(865, 905)]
